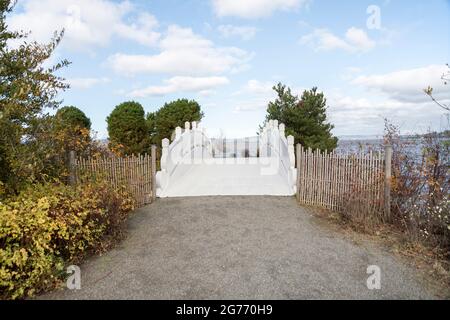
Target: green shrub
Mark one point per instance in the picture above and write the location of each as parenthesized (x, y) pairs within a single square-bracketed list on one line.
[(162, 123), (127, 129), (48, 227), (70, 116)]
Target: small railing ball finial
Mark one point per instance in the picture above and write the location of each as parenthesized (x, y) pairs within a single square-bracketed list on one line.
[(282, 128), (187, 126), (275, 124), (165, 143), (177, 133), (165, 153), (290, 140), (194, 125), (271, 124)]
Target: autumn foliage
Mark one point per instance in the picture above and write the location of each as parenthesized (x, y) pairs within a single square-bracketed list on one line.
[(421, 186), (44, 223), (48, 227)]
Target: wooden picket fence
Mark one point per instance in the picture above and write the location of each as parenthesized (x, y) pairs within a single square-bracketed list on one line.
[(330, 180), (135, 172)]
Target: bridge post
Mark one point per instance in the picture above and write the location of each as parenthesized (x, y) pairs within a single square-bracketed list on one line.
[(290, 140), (282, 129), (387, 180), (177, 133), (164, 153), (153, 159), (299, 154), (72, 168)]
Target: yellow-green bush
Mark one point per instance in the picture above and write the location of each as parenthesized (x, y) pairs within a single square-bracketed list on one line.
[(49, 226)]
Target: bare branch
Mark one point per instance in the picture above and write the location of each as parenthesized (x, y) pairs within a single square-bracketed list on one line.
[(429, 91)]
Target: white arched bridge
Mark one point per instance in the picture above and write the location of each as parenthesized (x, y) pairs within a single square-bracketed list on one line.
[(195, 165)]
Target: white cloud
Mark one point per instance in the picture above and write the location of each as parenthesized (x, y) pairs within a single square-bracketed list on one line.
[(182, 53), (254, 8), (141, 31), (397, 96), (86, 83), (87, 23), (255, 95), (251, 105), (244, 32), (364, 115), (256, 87), (359, 39), (354, 69), (408, 85), (355, 40), (202, 85), (322, 39), (350, 73)]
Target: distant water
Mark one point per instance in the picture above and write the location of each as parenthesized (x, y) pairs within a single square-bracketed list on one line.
[(354, 144), (230, 148), (360, 137), (413, 146)]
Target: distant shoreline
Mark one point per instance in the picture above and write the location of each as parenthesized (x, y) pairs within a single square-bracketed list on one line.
[(444, 134)]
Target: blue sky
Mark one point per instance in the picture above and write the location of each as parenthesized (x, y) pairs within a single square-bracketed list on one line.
[(227, 54)]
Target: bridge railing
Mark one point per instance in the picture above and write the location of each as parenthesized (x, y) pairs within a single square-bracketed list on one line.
[(279, 152), (190, 146)]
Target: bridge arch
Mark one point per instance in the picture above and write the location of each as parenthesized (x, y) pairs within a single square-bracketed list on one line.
[(190, 167)]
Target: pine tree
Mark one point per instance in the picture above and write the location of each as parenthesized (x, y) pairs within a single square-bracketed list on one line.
[(305, 118)]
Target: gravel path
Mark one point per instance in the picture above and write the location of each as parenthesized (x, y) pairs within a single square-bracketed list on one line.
[(248, 247)]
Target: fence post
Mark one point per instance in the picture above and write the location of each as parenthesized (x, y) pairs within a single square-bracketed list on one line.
[(387, 180), (297, 182), (72, 169), (153, 156)]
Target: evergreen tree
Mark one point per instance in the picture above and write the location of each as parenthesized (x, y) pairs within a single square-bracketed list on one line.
[(127, 129), (305, 118), (162, 123), (71, 116)]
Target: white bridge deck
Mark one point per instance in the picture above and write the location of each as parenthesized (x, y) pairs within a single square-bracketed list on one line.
[(190, 167), (227, 178)]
